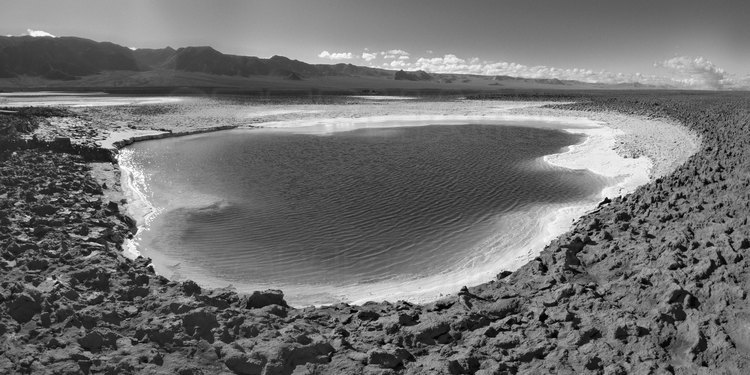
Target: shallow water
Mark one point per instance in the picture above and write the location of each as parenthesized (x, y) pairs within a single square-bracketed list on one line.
[(306, 213)]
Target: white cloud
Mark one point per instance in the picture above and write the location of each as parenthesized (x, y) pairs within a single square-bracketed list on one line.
[(682, 71), (368, 56), (397, 52), (452, 64), (39, 33), (394, 54), (400, 64), (696, 72), (336, 55)]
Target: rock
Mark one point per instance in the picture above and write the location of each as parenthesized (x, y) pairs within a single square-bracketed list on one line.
[(219, 298), (501, 308), (430, 329), (388, 356), (200, 322), (368, 315), (23, 308), (265, 298), (408, 319), (93, 341), (382, 358), (190, 288), (92, 277), (357, 357), (242, 364), (463, 363), (503, 274)]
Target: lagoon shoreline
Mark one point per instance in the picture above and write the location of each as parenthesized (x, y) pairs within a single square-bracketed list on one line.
[(596, 284), (597, 153)]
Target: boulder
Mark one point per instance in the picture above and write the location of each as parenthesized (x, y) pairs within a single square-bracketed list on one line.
[(23, 308), (502, 308), (430, 329), (382, 358), (388, 356), (265, 298), (200, 322), (242, 364), (93, 341)]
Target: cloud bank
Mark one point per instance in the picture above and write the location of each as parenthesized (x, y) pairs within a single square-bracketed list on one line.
[(369, 56), (696, 72), (682, 72), (336, 55), (39, 33), (35, 34)]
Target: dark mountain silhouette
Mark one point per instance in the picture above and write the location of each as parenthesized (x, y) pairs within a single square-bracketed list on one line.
[(61, 58), (412, 76), (25, 59), (148, 58), (549, 81), (293, 77)]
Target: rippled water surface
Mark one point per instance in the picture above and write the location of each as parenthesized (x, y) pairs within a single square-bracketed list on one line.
[(275, 208)]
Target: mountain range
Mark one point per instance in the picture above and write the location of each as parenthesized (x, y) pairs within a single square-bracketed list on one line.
[(27, 61)]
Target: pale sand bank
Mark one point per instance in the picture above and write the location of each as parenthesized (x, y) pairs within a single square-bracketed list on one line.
[(89, 100), (609, 138)]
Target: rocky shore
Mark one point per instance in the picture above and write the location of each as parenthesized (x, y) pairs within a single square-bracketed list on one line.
[(653, 282)]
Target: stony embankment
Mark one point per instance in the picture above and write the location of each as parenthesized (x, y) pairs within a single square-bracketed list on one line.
[(654, 282)]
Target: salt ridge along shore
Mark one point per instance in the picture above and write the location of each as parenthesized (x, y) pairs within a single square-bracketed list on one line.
[(496, 253), (652, 282)]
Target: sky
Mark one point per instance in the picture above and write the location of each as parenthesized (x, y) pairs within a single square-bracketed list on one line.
[(685, 43)]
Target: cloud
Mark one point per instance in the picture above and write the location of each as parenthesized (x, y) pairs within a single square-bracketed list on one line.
[(394, 53), (369, 56), (336, 55), (39, 33), (399, 64), (453, 64), (397, 52), (681, 72), (696, 72), (35, 34)]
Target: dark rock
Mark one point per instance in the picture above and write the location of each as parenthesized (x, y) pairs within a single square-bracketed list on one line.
[(23, 308), (190, 288), (242, 364), (388, 356), (382, 358), (430, 329), (366, 315), (92, 341), (265, 298), (200, 322), (219, 298), (408, 319), (502, 308), (503, 274)]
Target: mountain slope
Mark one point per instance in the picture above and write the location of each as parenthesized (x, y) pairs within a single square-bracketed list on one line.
[(72, 62), (61, 58)]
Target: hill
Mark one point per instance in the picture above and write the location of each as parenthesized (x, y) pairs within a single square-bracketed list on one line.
[(76, 63)]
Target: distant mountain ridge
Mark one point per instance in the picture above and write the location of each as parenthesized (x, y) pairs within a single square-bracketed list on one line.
[(70, 57), (61, 58), (27, 61)]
